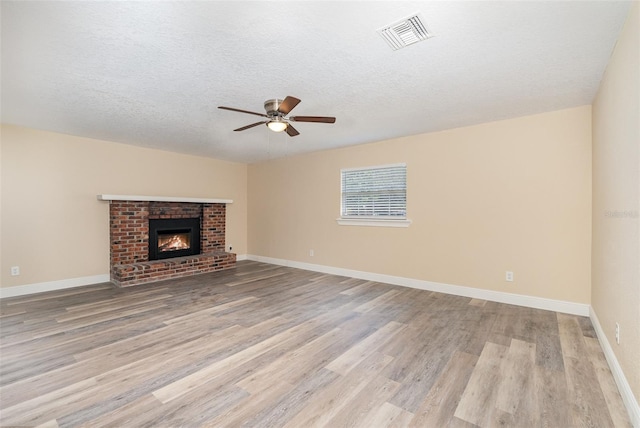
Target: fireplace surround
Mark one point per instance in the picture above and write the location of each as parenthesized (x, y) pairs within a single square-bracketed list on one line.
[(131, 257)]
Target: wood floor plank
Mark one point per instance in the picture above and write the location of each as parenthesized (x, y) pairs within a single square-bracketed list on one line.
[(40, 409), (357, 288), (258, 277), (481, 328), (327, 403), (193, 316), (192, 410), (262, 379), (419, 368), (571, 338), (49, 424), (264, 345), (516, 394), (387, 416), (477, 404), (549, 352), (128, 382), (137, 362), (438, 408), (378, 390), (121, 300), (380, 300), (126, 415), (123, 383), (182, 386), (551, 397), (291, 403), (84, 338), (356, 354), (252, 405), (89, 320), (76, 315), (588, 406)]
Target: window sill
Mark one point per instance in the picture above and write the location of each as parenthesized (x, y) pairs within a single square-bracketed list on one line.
[(373, 222)]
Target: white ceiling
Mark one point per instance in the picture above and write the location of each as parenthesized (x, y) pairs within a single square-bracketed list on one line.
[(153, 73)]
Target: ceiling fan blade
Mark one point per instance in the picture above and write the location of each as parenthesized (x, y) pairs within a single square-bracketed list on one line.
[(243, 111), (288, 104), (320, 119), (291, 131), (251, 126)]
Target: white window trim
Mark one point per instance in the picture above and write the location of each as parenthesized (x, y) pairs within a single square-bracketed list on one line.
[(364, 168), (373, 221)]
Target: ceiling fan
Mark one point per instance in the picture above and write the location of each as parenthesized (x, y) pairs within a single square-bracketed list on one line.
[(277, 120)]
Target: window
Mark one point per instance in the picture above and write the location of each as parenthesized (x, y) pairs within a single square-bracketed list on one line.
[(374, 196)]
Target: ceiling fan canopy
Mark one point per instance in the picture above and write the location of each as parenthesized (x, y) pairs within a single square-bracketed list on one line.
[(276, 114)]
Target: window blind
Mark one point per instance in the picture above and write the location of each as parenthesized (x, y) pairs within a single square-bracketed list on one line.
[(375, 192)]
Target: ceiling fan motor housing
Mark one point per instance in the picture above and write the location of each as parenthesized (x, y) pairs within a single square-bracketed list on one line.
[(271, 106)]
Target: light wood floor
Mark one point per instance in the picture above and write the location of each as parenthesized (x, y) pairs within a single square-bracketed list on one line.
[(269, 346)]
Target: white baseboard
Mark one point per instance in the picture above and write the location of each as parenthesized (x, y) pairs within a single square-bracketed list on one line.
[(628, 398), (21, 290), (458, 290), (476, 293)]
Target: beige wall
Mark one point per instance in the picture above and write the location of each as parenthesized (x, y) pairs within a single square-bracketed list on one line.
[(616, 196), (508, 195), (53, 226)]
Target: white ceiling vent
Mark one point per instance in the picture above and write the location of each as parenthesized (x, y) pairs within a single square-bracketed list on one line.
[(405, 32)]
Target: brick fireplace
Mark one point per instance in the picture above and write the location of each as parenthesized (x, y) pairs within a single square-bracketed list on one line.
[(129, 239)]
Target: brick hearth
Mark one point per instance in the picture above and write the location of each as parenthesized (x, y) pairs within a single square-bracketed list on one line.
[(129, 232)]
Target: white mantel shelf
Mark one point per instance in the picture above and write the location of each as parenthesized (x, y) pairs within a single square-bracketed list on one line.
[(163, 199)]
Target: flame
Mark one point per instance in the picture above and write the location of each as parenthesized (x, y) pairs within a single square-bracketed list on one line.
[(176, 242)]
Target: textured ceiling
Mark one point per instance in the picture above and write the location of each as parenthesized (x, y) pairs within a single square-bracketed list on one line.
[(153, 73)]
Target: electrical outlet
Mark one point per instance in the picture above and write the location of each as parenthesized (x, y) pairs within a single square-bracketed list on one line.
[(509, 276), (617, 333), (311, 253), (15, 270)]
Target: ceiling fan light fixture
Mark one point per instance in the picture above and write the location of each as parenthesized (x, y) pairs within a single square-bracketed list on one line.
[(277, 125), (276, 115)]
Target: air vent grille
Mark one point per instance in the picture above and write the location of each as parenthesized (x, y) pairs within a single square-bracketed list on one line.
[(405, 32)]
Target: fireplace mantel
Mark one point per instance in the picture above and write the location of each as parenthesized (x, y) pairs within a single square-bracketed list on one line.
[(162, 199)]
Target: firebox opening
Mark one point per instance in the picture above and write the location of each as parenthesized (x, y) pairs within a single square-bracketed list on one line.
[(173, 238)]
